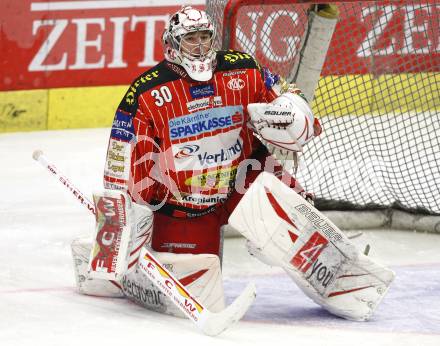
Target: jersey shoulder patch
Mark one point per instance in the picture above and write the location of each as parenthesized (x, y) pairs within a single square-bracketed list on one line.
[(232, 60), (270, 79), (151, 78)]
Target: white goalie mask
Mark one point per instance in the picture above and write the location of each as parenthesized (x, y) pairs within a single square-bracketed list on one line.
[(188, 42)]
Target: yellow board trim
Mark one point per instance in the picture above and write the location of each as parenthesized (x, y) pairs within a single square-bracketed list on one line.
[(366, 95), (72, 108), (23, 110), (89, 107)]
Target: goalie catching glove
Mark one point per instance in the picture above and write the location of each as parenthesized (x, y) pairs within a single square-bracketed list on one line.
[(287, 122)]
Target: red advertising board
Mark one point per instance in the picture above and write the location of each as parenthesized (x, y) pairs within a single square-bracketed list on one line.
[(386, 37), (51, 44), (370, 36)]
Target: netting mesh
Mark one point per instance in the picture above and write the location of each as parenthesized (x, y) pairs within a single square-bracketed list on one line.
[(378, 98)]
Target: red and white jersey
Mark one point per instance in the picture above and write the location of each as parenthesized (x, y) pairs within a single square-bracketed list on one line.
[(179, 141)]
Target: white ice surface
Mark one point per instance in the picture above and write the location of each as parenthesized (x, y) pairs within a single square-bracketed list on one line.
[(39, 304)]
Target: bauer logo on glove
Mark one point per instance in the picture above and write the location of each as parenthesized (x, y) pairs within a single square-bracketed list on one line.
[(287, 122)]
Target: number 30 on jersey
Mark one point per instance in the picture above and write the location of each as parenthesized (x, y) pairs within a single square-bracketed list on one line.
[(162, 95)]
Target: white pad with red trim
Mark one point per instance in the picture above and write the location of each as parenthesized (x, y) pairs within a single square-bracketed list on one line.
[(200, 274), (291, 233), (122, 228), (86, 285)]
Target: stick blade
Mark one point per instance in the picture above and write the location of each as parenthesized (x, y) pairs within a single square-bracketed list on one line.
[(215, 323)]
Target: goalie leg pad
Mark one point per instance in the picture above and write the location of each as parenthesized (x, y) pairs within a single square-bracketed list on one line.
[(87, 285), (122, 228), (200, 274), (292, 234), (347, 287)]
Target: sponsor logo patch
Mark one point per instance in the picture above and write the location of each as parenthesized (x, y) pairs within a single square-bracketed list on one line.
[(199, 91), (210, 157), (270, 79), (208, 151), (205, 121), (233, 73), (205, 102), (117, 164), (310, 251), (206, 200), (122, 128), (319, 260), (233, 57), (130, 96), (144, 293), (236, 84), (187, 150), (319, 222), (278, 113), (217, 179)]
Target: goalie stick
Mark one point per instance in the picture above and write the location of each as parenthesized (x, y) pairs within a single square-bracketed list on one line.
[(208, 322)]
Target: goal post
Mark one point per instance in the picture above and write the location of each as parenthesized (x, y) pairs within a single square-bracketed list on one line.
[(371, 70)]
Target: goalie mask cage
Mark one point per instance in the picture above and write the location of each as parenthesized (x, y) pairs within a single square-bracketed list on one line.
[(375, 88)]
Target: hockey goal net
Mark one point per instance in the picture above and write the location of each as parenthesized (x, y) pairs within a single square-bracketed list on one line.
[(372, 71)]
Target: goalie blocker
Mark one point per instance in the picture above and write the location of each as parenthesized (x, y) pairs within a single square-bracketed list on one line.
[(285, 230)]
